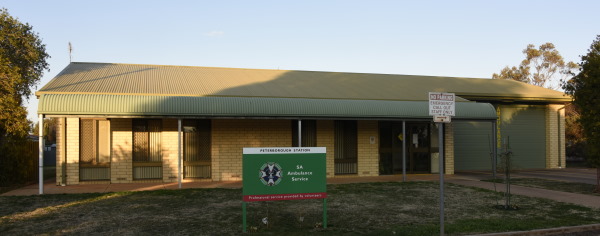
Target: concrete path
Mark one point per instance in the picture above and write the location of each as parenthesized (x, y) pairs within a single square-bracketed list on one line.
[(579, 199), (577, 175), (50, 186), (582, 230)]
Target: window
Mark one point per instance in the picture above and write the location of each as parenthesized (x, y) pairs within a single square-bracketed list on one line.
[(309, 133), (147, 149), (94, 149), (346, 148), (196, 149)]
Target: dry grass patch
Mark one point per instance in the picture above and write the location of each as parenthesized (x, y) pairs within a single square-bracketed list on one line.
[(369, 208)]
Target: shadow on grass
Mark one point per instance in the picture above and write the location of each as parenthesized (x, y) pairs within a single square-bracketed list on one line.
[(353, 209)]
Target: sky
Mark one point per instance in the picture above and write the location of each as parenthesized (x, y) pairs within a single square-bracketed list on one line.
[(459, 38)]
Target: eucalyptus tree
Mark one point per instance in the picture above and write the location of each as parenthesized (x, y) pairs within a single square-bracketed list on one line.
[(22, 64), (541, 67), (584, 89)]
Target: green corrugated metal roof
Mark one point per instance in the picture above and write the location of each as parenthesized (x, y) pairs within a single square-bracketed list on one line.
[(131, 79), (144, 105)]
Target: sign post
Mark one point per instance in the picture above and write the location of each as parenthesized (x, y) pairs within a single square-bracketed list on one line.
[(441, 107), (284, 173)]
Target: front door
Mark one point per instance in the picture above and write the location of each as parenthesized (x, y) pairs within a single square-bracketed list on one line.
[(391, 150), (418, 145)]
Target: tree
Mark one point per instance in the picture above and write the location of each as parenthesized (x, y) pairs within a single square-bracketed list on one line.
[(575, 145), (22, 63), (584, 89), (545, 67), (540, 67)]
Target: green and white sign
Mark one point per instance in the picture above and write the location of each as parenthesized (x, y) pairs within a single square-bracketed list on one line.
[(284, 173)]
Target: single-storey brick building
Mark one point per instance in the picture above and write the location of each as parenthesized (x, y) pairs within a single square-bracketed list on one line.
[(124, 123)]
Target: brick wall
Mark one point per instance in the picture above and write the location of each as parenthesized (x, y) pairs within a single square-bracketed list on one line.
[(121, 161), (368, 153), (555, 153), (325, 139), (228, 139), (72, 151), (170, 155), (230, 136)]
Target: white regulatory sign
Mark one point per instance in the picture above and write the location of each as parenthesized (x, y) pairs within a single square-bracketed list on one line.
[(441, 104)]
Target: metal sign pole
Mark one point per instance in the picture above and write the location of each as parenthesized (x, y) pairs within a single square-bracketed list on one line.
[(441, 107), (324, 213), (441, 144), (404, 151), (244, 217)]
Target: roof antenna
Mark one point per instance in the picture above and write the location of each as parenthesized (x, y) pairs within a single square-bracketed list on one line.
[(70, 50)]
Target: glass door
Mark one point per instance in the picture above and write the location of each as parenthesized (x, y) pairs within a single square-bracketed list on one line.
[(418, 145), (390, 148)]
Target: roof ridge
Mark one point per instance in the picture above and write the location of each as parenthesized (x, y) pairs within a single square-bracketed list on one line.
[(173, 80), (259, 69)]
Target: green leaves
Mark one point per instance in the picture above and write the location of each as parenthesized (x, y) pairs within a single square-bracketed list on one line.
[(22, 63), (584, 88), (540, 67)]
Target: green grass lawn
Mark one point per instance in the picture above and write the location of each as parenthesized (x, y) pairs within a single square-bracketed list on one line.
[(562, 186), (353, 209)]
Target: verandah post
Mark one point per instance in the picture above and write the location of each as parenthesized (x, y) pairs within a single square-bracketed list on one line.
[(179, 153), (41, 152)]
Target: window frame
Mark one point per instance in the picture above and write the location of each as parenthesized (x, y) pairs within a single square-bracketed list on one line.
[(152, 145), (345, 146)]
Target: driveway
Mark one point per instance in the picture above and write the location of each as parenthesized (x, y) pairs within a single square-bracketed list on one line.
[(576, 175)]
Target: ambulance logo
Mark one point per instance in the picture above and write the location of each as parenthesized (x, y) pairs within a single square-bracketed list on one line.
[(270, 174)]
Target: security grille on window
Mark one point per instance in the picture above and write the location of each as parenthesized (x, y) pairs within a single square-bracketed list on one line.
[(147, 149), (346, 150), (309, 133), (196, 149), (94, 149)]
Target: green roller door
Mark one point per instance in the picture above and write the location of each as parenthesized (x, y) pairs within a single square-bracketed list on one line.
[(523, 125), (472, 145)]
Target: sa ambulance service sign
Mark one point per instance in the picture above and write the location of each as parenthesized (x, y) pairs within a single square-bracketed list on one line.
[(284, 173)]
